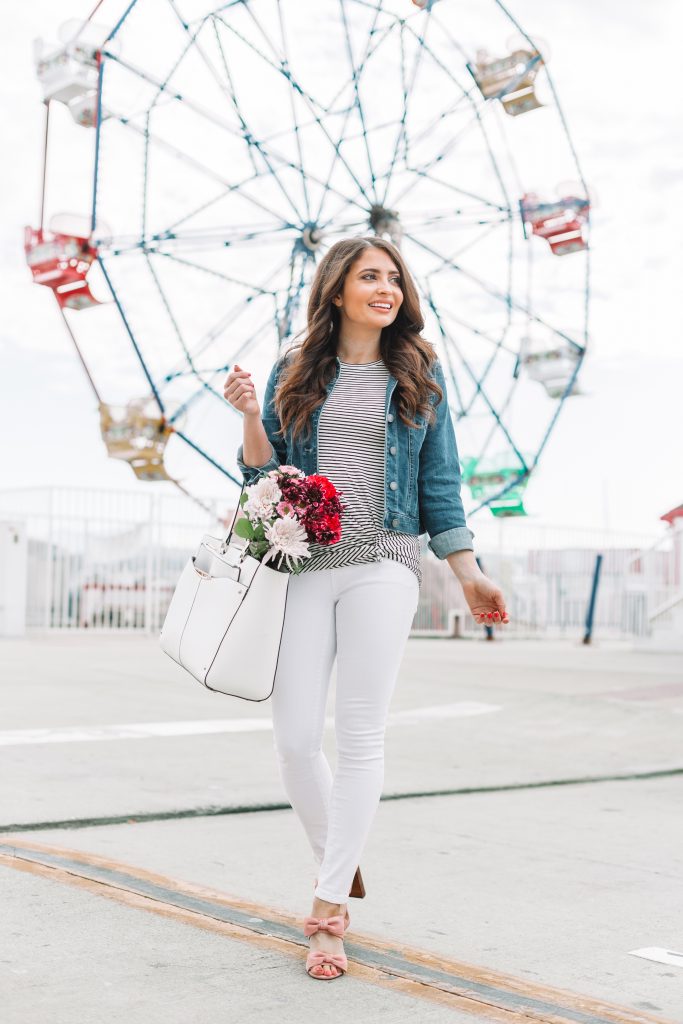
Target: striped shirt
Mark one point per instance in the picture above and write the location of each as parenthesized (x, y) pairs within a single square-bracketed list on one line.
[(351, 436)]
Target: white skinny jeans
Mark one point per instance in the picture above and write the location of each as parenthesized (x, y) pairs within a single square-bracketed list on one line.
[(362, 614)]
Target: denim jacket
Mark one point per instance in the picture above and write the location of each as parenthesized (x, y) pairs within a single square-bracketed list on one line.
[(421, 468)]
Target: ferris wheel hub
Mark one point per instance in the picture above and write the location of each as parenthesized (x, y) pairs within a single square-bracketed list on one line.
[(312, 237), (386, 222)]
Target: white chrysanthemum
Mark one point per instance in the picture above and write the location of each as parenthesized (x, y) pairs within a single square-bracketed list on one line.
[(263, 496), (287, 471), (287, 537)]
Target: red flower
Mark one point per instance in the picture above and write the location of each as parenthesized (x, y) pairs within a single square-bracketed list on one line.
[(317, 505), (326, 486)]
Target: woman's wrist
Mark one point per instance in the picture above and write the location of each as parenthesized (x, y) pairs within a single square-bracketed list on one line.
[(464, 565)]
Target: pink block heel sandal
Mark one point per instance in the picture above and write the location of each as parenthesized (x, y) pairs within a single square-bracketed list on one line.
[(317, 957)]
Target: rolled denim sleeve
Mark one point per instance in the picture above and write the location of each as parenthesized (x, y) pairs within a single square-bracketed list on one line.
[(271, 423), (439, 480)]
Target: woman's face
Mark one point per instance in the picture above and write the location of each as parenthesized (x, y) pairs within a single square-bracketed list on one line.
[(372, 294)]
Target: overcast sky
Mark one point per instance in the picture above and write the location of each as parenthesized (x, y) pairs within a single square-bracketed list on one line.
[(616, 456)]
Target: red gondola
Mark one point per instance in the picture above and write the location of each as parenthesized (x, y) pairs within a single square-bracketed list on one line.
[(561, 222), (61, 262)]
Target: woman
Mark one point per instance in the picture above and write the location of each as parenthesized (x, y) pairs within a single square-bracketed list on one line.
[(362, 400)]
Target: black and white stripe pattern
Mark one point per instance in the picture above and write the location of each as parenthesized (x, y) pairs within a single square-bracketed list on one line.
[(351, 454)]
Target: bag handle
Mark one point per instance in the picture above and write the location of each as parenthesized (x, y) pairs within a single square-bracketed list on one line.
[(224, 545)]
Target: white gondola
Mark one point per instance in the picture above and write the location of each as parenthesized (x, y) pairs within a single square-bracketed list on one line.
[(68, 73), (552, 366)]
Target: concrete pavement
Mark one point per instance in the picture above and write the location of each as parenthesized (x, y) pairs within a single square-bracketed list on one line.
[(519, 894)]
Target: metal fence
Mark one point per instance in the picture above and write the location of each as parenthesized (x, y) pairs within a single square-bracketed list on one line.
[(102, 560)]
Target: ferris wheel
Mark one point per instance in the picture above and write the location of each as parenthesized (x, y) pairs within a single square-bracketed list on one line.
[(209, 154)]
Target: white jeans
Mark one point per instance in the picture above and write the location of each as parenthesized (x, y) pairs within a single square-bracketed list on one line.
[(362, 614)]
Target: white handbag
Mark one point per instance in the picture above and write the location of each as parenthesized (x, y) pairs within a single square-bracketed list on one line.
[(225, 620)]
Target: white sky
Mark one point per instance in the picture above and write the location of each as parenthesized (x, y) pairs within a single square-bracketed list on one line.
[(615, 458)]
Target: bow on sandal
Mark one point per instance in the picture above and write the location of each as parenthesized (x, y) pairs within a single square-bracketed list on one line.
[(316, 958)]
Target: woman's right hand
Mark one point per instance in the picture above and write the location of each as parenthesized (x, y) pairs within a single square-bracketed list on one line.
[(240, 392)]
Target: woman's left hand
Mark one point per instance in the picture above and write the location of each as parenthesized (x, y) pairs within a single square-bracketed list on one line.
[(485, 600)]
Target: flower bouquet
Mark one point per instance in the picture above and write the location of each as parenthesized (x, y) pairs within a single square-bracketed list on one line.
[(284, 511)]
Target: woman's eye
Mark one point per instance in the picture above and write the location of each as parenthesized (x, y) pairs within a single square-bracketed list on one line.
[(394, 280)]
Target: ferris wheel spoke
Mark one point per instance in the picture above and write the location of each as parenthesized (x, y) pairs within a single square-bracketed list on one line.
[(171, 316), (347, 110), (355, 76), (295, 117), (421, 175), (312, 104), (219, 197), (249, 286), (277, 67), (308, 100), (189, 362), (408, 92), (424, 171), (239, 187), (184, 157), (231, 318), (480, 237), (412, 140), (172, 94), (285, 69), (207, 388), (290, 305), (497, 343), (247, 134), (222, 238), (244, 135), (449, 341), (505, 299), (480, 390), (457, 218), (190, 241)]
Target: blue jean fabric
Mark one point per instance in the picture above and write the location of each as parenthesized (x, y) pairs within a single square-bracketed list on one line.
[(422, 468)]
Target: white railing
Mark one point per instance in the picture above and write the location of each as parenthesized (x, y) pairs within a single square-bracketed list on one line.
[(656, 574), (109, 560)]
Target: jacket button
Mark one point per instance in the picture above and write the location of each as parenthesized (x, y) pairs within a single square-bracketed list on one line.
[(394, 522), (390, 417), (393, 449), (393, 485)]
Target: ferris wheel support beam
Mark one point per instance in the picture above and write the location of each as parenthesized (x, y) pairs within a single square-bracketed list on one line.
[(518, 479), (124, 318), (120, 22), (98, 123), (477, 384), (205, 455), (505, 299), (80, 355), (44, 181)]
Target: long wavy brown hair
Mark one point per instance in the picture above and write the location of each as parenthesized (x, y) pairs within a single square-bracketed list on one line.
[(311, 364)]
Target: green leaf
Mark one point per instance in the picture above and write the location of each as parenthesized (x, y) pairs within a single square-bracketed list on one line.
[(244, 529), (244, 497)]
